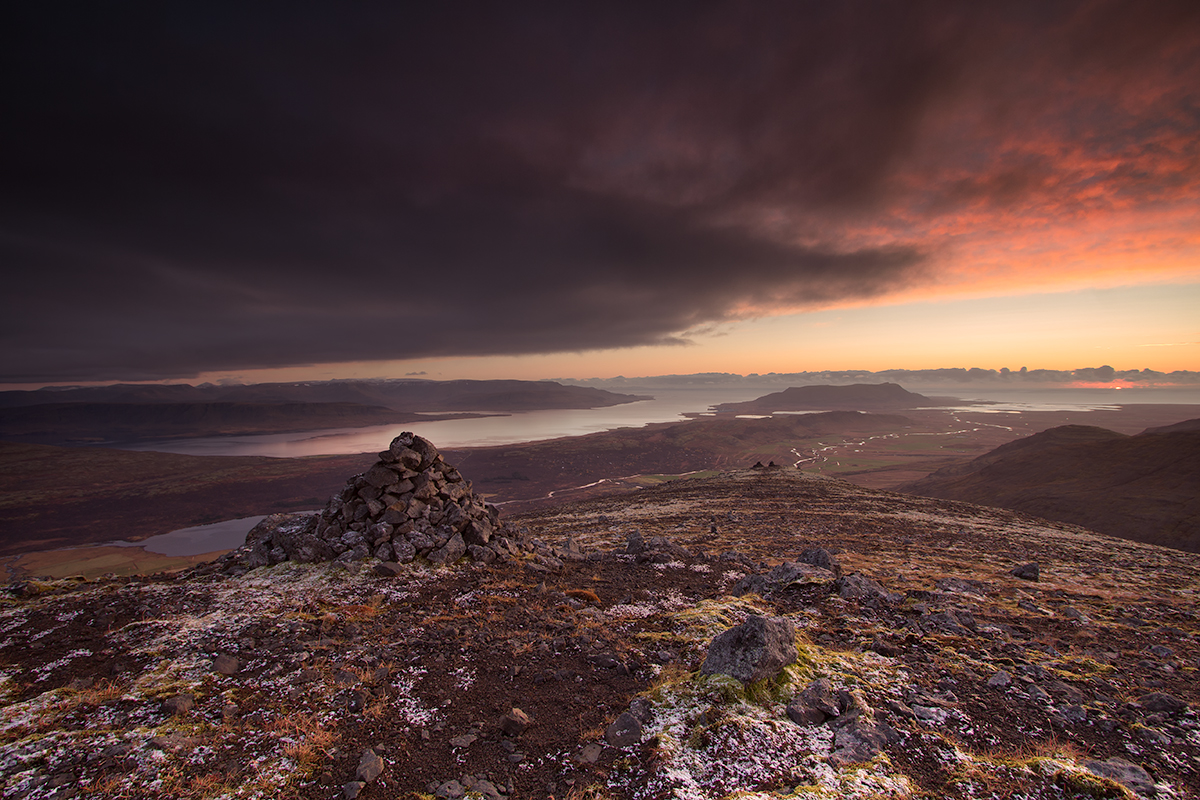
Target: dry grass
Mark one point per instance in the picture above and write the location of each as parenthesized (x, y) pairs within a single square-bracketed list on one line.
[(584, 595), (377, 709), (312, 741), (670, 675), (592, 792), (102, 692), (108, 787), (195, 787)]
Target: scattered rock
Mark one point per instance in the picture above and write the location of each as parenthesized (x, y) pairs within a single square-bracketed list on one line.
[(861, 741), (930, 713), (1026, 572), (514, 723), (1070, 715), (605, 660), (758, 648), (370, 766), (1161, 651), (1161, 702), (1000, 680), (820, 557), (861, 588), (790, 573), (961, 586), (814, 704), (641, 708), (886, 646), (955, 623), (626, 731), (656, 549), (450, 790), (179, 704), (388, 569), (175, 742), (1031, 607), (226, 665), (484, 788), (1070, 612), (352, 789), (466, 740), (1125, 773), (590, 753)]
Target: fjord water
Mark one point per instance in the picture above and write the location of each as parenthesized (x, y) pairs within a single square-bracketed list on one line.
[(527, 426), (668, 405)]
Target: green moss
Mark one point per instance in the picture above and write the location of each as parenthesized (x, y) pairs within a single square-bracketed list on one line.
[(807, 657), (778, 689), (721, 688), (1085, 784), (710, 617)]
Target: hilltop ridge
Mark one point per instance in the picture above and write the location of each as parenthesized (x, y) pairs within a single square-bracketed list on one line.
[(943, 648)]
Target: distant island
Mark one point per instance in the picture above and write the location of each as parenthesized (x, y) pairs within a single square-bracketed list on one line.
[(856, 397)]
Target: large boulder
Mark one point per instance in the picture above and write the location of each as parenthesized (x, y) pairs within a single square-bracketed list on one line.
[(758, 648)]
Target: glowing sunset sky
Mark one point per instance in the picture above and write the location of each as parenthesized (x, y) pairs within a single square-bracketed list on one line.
[(542, 190)]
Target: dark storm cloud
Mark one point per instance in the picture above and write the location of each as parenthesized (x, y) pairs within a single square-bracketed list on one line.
[(207, 186)]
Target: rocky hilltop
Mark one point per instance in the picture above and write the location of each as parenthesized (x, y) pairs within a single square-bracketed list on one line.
[(758, 634), (1141, 487)]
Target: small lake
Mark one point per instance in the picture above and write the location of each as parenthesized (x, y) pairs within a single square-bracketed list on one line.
[(201, 539)]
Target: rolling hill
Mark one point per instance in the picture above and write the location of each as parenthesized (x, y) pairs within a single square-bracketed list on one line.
[(1139, 487)]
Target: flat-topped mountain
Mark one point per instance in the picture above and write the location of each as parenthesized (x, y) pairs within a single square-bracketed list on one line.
[(54, 423), (760, 633), (856, 397), (1141, 487)]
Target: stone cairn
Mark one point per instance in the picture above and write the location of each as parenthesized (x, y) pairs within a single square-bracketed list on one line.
[(410, 505)]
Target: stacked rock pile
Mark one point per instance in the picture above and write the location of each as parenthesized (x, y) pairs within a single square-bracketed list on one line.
[(410, 504)]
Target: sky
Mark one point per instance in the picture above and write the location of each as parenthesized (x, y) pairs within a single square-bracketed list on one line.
[(216, 191)]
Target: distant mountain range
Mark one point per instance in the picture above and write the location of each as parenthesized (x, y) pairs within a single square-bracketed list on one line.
[(400, 395), (949, 377), (55, 423), (126, 412), (857, 397), (1141, 487)]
